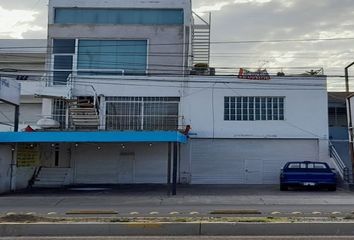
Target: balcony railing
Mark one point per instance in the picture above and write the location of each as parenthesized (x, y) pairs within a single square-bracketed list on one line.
[(118, 123), (138, 122)]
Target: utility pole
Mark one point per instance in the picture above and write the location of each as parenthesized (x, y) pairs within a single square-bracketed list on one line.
[(347, 77)]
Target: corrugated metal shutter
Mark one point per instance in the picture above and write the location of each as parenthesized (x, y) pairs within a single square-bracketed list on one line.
[(249, 161), (93, 166), (138, 163)]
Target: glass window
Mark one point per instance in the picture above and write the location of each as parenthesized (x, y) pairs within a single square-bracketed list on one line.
[(63, 52), (112, 57), (119, 16), (64, 46), (142, 113), (63, 62), (294, 165), (59, 111), (254, 108), (62, 69)]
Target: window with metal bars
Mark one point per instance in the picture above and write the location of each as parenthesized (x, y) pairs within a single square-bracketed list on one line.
[(254, 108), (142, 113), (59, 112)]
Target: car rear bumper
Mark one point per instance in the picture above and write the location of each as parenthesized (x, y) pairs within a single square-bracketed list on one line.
[(308, 184)]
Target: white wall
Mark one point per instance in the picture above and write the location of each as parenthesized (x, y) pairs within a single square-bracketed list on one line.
[(23, 175), (30, 113), (305, 111), (202, 103), (5, 168)]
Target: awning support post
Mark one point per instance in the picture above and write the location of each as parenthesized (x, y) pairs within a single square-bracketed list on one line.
[(17, 116), (169, 169), (174, 170)]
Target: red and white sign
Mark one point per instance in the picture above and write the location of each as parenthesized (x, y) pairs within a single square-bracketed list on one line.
[(260, 74)]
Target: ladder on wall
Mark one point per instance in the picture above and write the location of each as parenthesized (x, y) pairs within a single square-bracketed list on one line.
[(201, 40)]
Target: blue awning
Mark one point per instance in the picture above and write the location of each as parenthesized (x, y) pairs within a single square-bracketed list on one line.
[(93, 137)]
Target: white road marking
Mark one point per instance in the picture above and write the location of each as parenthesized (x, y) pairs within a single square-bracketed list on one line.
[(134, 213), (10, 213), (275, 213), (31, 213), (335, 213), (52, 213), (174, 213), (296, 213), (193, 213), (154, 213)]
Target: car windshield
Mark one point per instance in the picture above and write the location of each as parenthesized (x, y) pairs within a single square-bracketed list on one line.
[(307, 166)]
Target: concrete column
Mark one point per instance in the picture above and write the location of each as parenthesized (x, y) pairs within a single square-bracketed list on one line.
[(174, 170), (169, 168)]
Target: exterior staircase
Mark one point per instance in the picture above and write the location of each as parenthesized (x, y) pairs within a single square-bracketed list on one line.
[(201, 40), (84, 115), (343, 171), (51, 178)]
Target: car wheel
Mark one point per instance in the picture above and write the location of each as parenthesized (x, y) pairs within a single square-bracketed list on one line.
[(283, 187)]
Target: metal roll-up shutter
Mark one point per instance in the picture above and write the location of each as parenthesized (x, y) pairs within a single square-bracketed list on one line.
[(248, 161), (93, 166)]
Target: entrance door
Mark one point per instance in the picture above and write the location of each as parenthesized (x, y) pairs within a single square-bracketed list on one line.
[(253, 171), (126, 168)]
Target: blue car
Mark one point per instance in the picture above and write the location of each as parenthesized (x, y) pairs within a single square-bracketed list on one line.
[(307, 174)]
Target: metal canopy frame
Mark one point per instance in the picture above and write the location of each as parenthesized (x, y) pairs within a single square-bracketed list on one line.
[(93, 137)]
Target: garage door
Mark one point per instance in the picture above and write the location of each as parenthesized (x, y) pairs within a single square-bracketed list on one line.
[(95, 167), (103, 166), (249, 161), (139, 163)]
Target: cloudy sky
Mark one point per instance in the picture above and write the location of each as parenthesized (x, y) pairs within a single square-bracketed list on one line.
[(235, 20)]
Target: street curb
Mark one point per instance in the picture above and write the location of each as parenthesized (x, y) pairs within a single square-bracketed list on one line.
[(176, 229), (99, 229), (277, 229)]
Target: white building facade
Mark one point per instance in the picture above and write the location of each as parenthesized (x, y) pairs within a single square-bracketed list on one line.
[(123, 67)]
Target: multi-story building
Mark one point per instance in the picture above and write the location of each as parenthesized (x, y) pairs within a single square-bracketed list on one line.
[(118, 94), (24, 61)]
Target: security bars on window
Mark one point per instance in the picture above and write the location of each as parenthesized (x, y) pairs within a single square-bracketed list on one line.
[(142, 113), (254, 108)]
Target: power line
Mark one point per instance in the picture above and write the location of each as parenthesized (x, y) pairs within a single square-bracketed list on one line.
[(200, 87), (215, 42), (104, 73)]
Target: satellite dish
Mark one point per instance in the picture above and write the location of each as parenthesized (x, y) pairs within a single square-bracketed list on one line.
[(48, 123)]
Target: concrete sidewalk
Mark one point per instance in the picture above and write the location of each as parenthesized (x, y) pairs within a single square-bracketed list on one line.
[(149, 200), (202, 194)]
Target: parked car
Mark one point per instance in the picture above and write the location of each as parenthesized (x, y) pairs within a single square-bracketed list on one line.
[(307, 174)]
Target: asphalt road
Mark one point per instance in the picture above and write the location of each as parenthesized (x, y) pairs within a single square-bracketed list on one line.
[(192, 201)]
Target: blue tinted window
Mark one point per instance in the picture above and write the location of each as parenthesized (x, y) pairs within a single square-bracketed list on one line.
[(64, 46), (63, 62), (112, 57), (60, 78), (62, 68), (118, 16)]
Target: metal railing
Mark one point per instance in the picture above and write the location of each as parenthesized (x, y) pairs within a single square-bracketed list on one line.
[(343, 170), (122, 122), (139, 122)]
